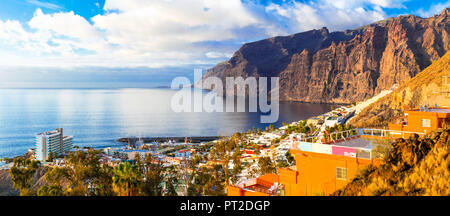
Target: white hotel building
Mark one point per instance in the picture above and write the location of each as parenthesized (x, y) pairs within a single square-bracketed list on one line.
[(54, 142)]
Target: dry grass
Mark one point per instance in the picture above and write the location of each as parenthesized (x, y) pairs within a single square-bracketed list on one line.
[(415, 167)]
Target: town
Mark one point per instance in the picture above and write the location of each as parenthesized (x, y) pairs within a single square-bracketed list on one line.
[(316, 156)]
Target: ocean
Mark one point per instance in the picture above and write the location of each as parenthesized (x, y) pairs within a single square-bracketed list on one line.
[(98, 117)]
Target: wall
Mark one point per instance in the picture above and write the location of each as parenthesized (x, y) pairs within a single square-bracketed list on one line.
[(235, 191), (317, 173), (305, 146), (322, 148), (289, 178), (344, 151), (415, 121)]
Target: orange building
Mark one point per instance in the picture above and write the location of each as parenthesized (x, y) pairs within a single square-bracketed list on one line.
[(260, 186), (422, 120), (314, 174), (322, 169), (320, 174)]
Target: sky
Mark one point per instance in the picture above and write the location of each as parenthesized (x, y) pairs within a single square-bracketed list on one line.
[(175, 33)]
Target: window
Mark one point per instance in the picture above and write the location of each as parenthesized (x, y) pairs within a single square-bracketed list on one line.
[(341, 173), (426, 123)]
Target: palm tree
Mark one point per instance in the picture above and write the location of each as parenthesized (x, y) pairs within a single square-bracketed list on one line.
[(171, 182), (126, 179)]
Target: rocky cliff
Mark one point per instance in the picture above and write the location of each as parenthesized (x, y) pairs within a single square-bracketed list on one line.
[(343, 67), (428, 88), (414, 167)]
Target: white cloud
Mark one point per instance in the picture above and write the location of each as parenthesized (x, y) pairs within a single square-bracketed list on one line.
[(171, 32), (218, 55), (60, 34), (134, 33), (44, 4), (389, 3), (434, 9), (74, 28), (172, 24), (334, 14)]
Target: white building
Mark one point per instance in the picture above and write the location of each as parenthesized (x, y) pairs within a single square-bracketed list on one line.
[(332, 121), (52, 141), (271, 136)]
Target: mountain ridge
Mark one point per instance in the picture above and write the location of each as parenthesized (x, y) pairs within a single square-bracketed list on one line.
[(343, 67)]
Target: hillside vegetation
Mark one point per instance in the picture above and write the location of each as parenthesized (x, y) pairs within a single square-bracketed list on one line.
[(426, 88), (414, 167)]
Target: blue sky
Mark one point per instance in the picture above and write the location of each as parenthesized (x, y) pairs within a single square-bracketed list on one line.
[(160, 33), (23, 10)]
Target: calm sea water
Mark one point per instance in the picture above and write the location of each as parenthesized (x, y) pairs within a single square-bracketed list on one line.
[(98, 117)]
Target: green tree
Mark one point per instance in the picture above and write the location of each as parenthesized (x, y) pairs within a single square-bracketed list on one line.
[(259, 131), (83, 174), (282, 164), (22, 173), (51, 157), (52, 190), (289, 157), (126, 179), (266, 166), (237, 165), (223, 151), (153, 177), (257, 149), (171, 182), (198, 180)]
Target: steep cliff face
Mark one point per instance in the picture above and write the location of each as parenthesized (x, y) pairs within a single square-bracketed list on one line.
[(343, 67), (426, 88)]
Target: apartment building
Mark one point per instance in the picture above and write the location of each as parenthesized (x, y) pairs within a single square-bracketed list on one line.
[(52, 142)]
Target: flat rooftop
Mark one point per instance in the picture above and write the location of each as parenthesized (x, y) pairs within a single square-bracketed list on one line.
[(48, 133), (434, 110), (356, 143)]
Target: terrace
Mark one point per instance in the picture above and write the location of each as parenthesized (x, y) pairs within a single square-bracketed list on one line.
[(351, 143), (266, 185)]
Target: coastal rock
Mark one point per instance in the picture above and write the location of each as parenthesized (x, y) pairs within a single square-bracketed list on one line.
[(343, 67)]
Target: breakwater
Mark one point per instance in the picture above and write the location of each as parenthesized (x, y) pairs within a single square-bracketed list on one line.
[(166, 139)]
